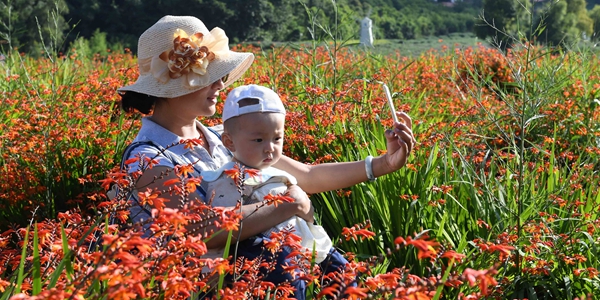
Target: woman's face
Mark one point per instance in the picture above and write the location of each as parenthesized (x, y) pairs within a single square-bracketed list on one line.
[(199, 103)]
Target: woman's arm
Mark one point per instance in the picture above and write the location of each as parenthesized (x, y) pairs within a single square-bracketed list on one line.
[(255, 219), (332, 176), (259, 218)]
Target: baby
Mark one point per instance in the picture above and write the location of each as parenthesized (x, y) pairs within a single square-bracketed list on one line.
[(253, 122)]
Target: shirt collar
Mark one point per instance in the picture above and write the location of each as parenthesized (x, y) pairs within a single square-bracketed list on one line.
[(152, 131)]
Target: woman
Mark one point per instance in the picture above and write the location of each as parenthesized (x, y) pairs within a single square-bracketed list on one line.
[(183, 66)]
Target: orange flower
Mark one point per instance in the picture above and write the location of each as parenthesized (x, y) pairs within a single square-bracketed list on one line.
[(132, 160), (356, 292), (331, 291), (233, 173), (3, 285), (172, 181), (229, 219), (273, 245), (482, 223), (144, 246), (219, 265), (484, 277), (192, 183), (191, 143), (252, 172), (504, 250), (184, 170), (425, 248), (151, 197), (356, 232), (277, 199), (453, 255), (170, 216)]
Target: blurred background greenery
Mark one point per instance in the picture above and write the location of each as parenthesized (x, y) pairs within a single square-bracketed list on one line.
[(103, 26)]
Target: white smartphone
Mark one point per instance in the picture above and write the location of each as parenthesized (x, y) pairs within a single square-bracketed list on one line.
[(390, 102)]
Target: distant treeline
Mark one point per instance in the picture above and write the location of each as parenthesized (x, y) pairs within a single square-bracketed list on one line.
[(120, 22), (96, 25)]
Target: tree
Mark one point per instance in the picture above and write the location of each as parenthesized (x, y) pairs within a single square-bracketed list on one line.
[(592, 3), (583, 21), (504, 21), (561, 23), (595, 17), (33, 26), (122, 21)]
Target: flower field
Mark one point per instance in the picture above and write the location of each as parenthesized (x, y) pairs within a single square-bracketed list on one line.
[(499, 199)]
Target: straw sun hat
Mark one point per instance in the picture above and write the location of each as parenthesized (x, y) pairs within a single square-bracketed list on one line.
[(178, 56)]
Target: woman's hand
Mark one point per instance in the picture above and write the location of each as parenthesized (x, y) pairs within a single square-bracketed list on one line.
[(305, 208), (400, 142)]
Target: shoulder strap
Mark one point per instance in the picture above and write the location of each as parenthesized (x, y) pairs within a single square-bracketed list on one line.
[(219, 136), (168, 154), (132, 146)]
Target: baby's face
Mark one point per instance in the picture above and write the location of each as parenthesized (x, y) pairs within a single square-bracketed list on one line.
[(258, 139)]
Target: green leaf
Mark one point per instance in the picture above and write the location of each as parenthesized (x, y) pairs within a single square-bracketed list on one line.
[(21, 269), (37, 280)]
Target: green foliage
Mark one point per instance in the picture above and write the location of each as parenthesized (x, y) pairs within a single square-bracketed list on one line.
[(96, 45), (564, 23), (508, 171), (502, 20), (560, 26), (243, 20), (584, 23), (595, 16), (34, 28)]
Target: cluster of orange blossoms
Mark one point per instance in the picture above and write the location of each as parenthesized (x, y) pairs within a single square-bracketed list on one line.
[(56, 177)]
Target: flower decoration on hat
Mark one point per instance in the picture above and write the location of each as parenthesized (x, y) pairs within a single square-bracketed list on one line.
[(190, 57), (187, 55)]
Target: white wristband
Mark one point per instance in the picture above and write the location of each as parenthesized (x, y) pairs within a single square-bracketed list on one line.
[(369, 168)]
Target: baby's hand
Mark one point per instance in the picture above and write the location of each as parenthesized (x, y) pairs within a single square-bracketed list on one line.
[(305, 208)]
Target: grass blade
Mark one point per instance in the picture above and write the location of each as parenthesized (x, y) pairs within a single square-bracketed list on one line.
[(21, 272), (37, 279)]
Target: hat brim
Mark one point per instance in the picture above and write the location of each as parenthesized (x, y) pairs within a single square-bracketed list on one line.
[(235, 64)]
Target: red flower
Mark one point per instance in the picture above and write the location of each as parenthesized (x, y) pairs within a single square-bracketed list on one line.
[(233, 173), (151, 197), (277, 199), (356, 232), (483, 277), (356, 292), (191, 143)]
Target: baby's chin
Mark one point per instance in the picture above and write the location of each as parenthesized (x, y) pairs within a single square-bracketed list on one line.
[(265, 164)]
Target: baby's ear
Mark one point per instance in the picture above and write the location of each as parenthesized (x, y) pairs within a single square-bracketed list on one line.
[(227, 141)]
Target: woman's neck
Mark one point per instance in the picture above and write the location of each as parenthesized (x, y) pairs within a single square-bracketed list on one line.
[(183, 127)]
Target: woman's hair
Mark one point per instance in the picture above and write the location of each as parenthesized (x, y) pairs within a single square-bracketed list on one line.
[(132, 101)]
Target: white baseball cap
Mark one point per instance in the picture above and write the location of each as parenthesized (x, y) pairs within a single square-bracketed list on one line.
[(266, 101)]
